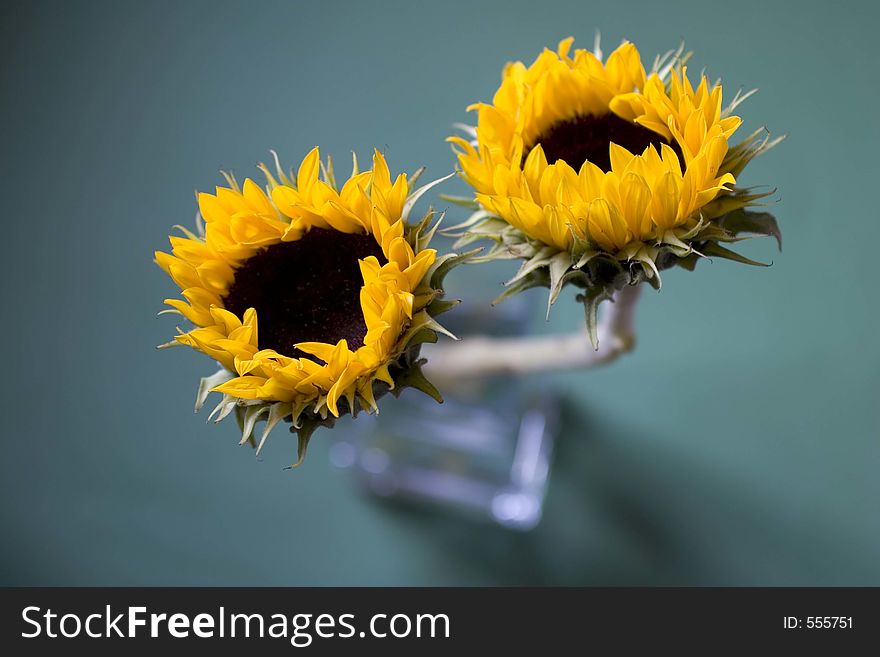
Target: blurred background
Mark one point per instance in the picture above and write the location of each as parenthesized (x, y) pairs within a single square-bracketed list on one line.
[(738, 445)]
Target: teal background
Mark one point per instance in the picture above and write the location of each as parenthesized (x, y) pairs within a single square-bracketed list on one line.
[(737, 445)]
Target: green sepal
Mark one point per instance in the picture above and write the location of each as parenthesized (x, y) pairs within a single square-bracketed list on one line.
[(689, 262), (413, 377), (415, 195), (605, 276), (733, 200), (278, 411), (591, 298), (538, 278), (420, 234), (462, 201), (248, 417), (753, 223), (422, 336), (415, 176), (560, 272), (439, 306), (445, 263), (208, 383), (240, 420), (541, 258), (711, 249), (304, 435), (741, 154)]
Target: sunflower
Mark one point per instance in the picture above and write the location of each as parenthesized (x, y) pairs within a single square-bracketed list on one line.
[(314, 299), (602, 174)]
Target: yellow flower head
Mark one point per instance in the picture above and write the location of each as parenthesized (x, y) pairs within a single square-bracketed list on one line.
[(310, 297), (587, 158)]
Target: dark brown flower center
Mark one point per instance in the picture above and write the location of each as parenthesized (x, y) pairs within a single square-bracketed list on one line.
[(587, 138), (305, 291)]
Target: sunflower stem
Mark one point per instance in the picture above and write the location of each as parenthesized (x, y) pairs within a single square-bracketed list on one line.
[(482, 356)]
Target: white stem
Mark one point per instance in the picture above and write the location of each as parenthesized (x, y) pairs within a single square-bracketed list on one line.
[(479, 355)]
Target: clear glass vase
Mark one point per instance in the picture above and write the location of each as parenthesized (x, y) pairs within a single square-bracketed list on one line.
[(484, 453)]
